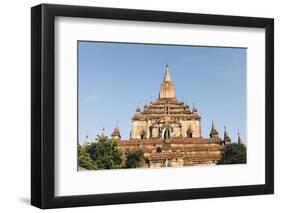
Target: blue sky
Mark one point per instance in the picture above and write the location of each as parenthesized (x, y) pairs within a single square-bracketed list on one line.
[(115, 77)]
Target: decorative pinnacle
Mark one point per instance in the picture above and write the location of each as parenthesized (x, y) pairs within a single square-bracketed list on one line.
[(225, 132), (214, 133), (194, 108), (138, 110), (167, 74), (146, 103), (213, 124), (239, 138)]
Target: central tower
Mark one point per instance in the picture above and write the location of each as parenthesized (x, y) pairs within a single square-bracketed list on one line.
[(166, 117), (167, 89)]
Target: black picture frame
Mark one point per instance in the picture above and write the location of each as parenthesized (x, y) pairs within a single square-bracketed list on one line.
[(43, 105)]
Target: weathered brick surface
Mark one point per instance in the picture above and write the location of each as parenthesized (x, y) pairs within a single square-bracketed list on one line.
[(176, 152)]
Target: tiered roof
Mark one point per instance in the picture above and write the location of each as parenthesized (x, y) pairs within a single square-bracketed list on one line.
[(167, 104), (166, 108), (116, 133)]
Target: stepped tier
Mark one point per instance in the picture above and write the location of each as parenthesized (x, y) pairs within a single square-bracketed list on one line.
[(166, 108)]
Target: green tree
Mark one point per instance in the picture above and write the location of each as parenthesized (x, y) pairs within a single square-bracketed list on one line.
[(134, 159), (233, 154), (105, 153), (84, 159)]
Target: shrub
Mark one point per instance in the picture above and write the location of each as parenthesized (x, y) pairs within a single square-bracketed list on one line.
[(84, 160), (234, 154), (105, 153), (134, 159)]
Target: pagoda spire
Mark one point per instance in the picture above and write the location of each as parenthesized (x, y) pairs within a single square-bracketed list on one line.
[(225, 132), (226, 139), (239, 138), (138, 110), (167, 89), (194, 110), (214, 133), (167, 77), (116, 132)]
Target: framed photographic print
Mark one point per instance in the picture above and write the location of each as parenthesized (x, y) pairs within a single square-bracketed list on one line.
[(139, 106)]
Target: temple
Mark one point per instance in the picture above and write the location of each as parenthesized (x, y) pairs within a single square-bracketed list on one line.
[(169, 133)]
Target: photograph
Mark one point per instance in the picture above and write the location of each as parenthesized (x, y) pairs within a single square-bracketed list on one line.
[(143, 105), (154, 106)]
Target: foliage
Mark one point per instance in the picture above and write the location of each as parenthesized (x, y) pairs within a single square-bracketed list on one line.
[(84, 159), (105, 153), (134, 159), (234, 154)]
